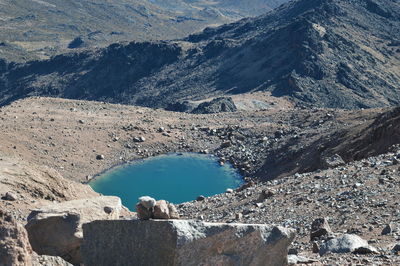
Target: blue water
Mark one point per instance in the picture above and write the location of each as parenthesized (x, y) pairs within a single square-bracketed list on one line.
[(175, 178)]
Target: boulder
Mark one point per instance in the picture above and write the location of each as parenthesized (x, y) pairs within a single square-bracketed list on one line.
[(56, 229), (143, 213), (15, 249), (147, 202), (345, 244), (173, 212), (184, 242), (161, 210)]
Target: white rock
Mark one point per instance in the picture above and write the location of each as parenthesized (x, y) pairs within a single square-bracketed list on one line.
[(147, 202)]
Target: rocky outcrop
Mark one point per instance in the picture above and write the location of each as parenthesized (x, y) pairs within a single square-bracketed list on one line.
[(15, 249), (183, 242), (25, 185), (56, 229), (221, 104)]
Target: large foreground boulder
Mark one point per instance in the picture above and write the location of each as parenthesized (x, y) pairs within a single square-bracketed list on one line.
[(56, 229), (183, 242)]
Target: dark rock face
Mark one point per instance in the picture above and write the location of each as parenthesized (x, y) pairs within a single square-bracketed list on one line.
[(222, 104), (101, 75), (312, 51)]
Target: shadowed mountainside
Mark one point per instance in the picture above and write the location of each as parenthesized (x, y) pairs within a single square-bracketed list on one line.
[(321, 53), (32, 29)]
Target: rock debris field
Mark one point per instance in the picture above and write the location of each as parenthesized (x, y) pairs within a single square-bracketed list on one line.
[(51, 147)]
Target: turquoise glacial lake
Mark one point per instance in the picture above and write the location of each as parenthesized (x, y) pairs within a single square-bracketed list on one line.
[(176, 178)]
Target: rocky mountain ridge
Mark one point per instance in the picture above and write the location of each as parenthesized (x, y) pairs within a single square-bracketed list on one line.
[(43, 28), (312, 52)]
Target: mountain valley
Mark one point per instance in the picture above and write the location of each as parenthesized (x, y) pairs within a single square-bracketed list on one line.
[(301, 97)]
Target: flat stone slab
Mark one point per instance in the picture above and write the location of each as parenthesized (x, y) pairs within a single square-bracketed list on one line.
[(183, 242)]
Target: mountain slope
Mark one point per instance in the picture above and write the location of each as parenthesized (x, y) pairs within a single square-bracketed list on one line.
[(39, 28), (315, 52)]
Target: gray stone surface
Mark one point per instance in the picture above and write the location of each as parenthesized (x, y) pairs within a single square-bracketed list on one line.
[(183, 242), (56, 229), (45, 260), (345, 244)]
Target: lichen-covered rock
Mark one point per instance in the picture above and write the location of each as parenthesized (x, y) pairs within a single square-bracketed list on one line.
[(15, 249), (184, 242), (56, 229)]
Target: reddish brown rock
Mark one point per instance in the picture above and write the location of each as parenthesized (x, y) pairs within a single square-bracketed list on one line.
[(161, 210), (15, 249)]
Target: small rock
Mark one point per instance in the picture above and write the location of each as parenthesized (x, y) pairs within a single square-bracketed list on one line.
[(315, 247), (139, 139), (225, 144), (161, 210), (320, 227), (396, 248), (143, 213), (100, 157), (265, 194), (147, 202), (296, 259), (200, 198), (229, 190), (173, 212), (11, 196), (387, 230), (108, 209)]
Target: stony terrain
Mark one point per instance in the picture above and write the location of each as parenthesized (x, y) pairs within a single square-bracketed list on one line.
[(41, 28), (80, 139), (361, 197), (312, 52), (284, 97)]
